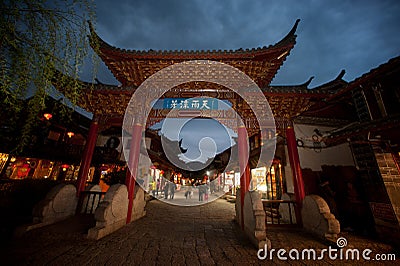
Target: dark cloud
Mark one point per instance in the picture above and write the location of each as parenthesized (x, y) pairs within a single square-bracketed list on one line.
[(332, 35)]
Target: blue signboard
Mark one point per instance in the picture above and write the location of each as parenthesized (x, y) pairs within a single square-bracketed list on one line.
[(191, 103)]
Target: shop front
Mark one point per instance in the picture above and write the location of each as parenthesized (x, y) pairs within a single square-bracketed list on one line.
[(268, 181), (13, 167)]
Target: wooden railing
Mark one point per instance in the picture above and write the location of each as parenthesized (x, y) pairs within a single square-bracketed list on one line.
[(88, 201), (274, 217)]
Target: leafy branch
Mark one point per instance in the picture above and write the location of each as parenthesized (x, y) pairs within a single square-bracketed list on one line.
[(38, 38)]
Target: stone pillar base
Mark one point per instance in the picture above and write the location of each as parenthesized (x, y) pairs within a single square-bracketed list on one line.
[(59, 204), (111, 213), (318, 219), (253, 219)]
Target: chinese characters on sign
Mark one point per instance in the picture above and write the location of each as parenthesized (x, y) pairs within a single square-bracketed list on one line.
[(191, 104)]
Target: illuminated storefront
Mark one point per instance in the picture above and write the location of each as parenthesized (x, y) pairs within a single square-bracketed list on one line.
[(231, 182), (3, 161), (268, 182), (26, 167)]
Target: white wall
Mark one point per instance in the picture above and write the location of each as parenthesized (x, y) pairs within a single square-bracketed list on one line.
[(314, 158)]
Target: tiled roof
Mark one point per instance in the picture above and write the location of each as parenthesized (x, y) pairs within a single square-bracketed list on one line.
[(132, 67)]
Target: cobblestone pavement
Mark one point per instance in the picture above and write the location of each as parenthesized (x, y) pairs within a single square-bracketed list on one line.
[(168, 235)]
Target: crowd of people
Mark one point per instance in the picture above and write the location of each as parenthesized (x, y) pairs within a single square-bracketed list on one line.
[(167, 189)]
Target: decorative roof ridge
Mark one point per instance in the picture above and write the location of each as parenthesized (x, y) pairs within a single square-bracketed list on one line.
[(370, 74), (333, 84), (67, 80), (307, 83), (96, 42), (341, 74), (290, 37), (303, 86), (377, 69), (292, 89), (106, 87)]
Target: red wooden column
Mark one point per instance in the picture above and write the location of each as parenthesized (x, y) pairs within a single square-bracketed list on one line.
[(243, 150), (294, 160), (133, 162), (87, 155)]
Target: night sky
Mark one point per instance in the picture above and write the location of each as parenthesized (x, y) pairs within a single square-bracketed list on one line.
[(356, 35), (332, 35)]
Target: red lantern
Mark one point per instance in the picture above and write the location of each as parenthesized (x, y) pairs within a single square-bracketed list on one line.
[(64, 167), (48, 116)]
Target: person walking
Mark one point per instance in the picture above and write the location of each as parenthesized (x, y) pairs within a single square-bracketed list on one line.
[(158, 186), (206, 188), (172, 188), (201, 192), (188, 193), (166, 189), (153, 188)]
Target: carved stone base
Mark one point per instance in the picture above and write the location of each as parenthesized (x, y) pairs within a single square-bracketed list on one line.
[(253, 219), (111, 213), (59, 204), (318, 219)]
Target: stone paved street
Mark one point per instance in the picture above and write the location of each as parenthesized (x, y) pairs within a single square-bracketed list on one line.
[(168, 235)]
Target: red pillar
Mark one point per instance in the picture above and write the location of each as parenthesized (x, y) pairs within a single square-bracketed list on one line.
[(296, 169), (243, 150), (87, 156), (133, 162)]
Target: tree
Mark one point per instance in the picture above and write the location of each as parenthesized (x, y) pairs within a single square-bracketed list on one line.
[(38, 39)]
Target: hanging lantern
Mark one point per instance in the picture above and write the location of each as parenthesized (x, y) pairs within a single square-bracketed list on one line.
[(70, 134), (48, 116), (64, 167)]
